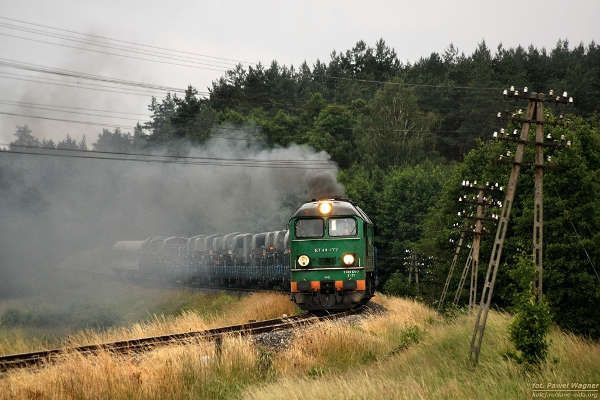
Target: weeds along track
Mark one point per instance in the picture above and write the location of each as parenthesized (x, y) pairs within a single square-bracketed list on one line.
[(38, 358)]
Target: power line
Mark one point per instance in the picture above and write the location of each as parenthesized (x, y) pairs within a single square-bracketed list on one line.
[(98, 88), (5, 62), (131, 49), (578, 237), (409, 84), (121, 126), (61, 108), (107, 125), (173, 156), (124, 41), (227, 129), (113, 54), (163, 161), (327, 76), (73, 112)]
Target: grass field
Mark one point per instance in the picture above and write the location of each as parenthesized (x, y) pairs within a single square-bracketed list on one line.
[(407, 353)]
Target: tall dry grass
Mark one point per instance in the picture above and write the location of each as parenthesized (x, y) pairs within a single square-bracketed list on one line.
[(337, 345), (178, 372), (171, 372), (256, 306), (433, 368), (409, 352)]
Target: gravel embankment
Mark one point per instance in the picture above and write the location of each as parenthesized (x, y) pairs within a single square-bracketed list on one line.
[(280, 340)]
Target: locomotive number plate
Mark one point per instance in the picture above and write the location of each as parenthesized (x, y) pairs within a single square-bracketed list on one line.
[(350, 273), (327, 249)]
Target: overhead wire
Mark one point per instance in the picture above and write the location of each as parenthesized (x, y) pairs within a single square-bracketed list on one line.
[(176, 156), (107, 125), (123, 41), (54, 109), (67, 108), (411, 84), (98, 88), (114, 54), (224, 163), (578, 237), (89, 42), (9, 63), (228, 129), (131, 127)]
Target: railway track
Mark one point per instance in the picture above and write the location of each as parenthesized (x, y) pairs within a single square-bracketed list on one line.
[(38, 358)]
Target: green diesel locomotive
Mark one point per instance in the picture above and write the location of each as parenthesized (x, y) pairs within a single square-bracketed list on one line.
[(332, 257)]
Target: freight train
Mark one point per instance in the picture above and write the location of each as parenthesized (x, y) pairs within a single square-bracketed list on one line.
[(325, 259)]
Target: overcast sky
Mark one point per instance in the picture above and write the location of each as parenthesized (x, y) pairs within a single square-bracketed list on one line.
[(289, 32)]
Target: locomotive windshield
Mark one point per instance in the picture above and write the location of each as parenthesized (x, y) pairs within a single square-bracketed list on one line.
[(306, 228), (342, 227)]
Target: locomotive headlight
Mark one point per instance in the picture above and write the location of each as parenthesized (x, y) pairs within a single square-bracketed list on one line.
[(303, 260), (325, 208), (348, 259)]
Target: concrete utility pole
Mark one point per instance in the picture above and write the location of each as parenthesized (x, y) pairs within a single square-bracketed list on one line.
[(463, 277), (475, 250), (538, 200), (451, 271), (533, 115)]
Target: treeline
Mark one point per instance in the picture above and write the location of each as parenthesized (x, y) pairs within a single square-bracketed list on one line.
[(404, 136), (444, 101)]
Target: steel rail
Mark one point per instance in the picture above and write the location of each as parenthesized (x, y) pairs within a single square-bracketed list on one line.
[(33, 359)]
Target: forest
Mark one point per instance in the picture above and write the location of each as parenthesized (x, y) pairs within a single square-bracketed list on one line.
[(404, 136)]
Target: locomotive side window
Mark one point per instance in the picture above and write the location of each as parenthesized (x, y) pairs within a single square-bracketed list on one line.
[(342, 227), (306, 228)]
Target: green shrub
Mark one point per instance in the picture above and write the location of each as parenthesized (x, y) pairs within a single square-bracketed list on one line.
[(532, 320), (397, 285)]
